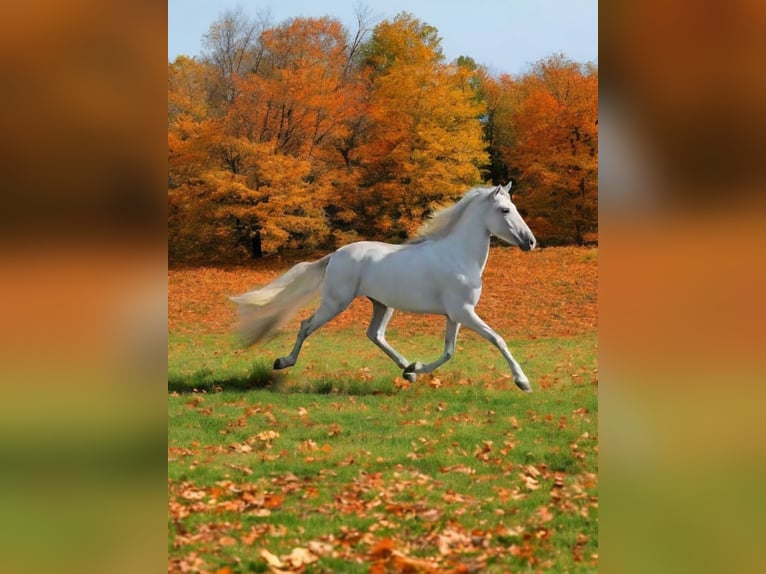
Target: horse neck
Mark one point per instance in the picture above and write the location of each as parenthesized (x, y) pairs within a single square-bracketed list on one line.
[(469, 240)]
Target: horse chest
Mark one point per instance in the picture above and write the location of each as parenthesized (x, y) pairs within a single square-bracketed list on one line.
[(468, 286)]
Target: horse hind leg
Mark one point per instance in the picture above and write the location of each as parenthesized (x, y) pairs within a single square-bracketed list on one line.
[(328, 309), (376, 332)]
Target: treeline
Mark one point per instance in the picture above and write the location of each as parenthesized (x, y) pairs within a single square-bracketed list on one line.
[(307, 135)]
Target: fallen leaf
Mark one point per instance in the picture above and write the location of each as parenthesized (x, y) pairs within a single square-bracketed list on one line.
[(271, 418), (267, 436), (273, 501), (382, 549), (430, 515), (194, 402), (404, 563), (531, 470), (271, 559), (544, 514), (248, 539), (461, 468), (308, 445), (300, 557), (191, 494), (401, 383), (530, 482), (247, 470), (320, 548), (482, 452)]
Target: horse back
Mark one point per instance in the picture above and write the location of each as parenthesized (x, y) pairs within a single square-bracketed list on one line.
[(398, 276)]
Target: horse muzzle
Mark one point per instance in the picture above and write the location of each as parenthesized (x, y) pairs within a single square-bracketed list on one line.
[(528, 243)]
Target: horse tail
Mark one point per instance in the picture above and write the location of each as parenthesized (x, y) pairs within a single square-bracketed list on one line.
[(264, 311)]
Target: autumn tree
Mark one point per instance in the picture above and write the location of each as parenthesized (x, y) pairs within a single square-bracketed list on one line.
[(550, 142), (189, 227), (232, 48), (421, 141), (496, 124), (274, 157), (295, 115), (302, 135)]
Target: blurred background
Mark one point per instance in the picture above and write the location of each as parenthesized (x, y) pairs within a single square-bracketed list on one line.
[(681, 284), (83, 285)]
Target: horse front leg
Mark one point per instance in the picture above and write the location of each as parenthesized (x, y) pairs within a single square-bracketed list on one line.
[(468, 317), (450, 339)]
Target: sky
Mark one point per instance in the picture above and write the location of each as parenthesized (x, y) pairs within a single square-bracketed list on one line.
[(506, 36)]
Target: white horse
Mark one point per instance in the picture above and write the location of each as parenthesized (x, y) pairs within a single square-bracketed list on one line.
[(439, 272)]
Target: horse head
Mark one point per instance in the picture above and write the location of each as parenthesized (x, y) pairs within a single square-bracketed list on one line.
[(504, 220)]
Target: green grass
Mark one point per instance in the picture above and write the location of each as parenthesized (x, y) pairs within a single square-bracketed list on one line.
[(337, 455)]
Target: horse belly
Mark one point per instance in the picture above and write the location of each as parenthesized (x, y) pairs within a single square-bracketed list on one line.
[(402, 288), (398, 276)]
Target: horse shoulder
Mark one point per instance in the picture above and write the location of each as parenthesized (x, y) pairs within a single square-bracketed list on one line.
[(465, 272)]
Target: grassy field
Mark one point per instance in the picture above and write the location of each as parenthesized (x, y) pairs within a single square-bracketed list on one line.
[(339, 465)]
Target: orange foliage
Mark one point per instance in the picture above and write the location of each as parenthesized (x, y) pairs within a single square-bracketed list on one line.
[(313, 143), (295, 137), (550, 125)]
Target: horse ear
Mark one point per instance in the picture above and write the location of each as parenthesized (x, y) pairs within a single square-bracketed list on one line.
[(508, 187), (498, 189)]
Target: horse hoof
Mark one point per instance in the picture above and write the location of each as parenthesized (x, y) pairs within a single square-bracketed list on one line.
[(409, 372), (524, 386), (412, 367), (280, 363)]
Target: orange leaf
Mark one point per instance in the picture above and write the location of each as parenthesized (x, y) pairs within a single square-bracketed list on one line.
[(273, 501), (382, 549), (401, 383), (544, 514)]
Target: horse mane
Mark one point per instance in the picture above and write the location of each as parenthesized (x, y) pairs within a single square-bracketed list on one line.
[(441, 223)]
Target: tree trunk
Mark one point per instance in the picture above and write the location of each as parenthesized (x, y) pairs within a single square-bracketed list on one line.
[(257, 250)]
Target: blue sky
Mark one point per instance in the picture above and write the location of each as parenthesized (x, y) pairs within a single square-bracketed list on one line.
[(504, 35)]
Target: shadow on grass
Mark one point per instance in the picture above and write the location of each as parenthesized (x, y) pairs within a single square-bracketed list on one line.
[(346, 385), (262, 377)]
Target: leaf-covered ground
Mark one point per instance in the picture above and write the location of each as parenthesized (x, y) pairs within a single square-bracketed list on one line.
[(542, 293), (342, 466)]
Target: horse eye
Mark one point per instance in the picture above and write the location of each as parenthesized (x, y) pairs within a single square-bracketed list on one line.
[(505, 210)]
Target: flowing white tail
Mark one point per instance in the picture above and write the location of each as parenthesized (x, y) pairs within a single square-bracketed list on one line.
[(264, 311)]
